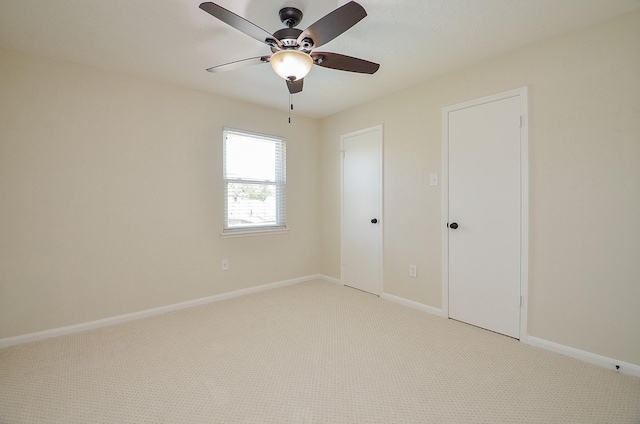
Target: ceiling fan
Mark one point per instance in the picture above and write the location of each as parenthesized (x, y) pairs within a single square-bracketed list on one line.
[(292, 49)]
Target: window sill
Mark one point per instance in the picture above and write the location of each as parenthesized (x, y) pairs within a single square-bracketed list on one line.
[(254, 232)]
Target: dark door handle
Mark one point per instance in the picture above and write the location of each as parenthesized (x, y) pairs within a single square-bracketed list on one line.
[(374, 221), (453, 225)]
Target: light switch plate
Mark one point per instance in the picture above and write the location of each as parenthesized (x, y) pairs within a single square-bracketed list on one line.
[(433, 179)]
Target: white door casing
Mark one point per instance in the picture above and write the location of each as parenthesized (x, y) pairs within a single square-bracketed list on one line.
[(485, 192), (361, 223)]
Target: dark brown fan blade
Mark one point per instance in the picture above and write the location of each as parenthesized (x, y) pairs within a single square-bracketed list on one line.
[(239, 23), (335, 23), (239, 64), (295, 86), (344, 63)]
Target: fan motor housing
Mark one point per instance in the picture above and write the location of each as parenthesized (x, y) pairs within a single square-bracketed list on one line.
[(288, 36)]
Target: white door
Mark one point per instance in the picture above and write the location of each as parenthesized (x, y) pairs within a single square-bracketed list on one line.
[(362, 210), (485, 214)]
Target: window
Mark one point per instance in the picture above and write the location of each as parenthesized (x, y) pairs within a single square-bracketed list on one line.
[(254, 175)]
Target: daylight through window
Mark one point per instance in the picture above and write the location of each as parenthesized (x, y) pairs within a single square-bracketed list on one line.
[(254, 181)]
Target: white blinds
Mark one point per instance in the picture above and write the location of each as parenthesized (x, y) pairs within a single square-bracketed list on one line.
[(254, 172)]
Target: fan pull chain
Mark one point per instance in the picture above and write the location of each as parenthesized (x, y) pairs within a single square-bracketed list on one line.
[(290, 107)]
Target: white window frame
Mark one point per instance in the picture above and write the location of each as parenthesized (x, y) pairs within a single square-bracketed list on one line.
[(279, 183)]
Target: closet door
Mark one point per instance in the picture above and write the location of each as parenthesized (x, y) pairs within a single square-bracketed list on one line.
[(484, 214)]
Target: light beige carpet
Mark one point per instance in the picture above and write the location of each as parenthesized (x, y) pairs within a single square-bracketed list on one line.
[(309, 353)]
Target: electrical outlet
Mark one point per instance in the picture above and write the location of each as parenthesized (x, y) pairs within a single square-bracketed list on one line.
[(225, 264), (413, 271)]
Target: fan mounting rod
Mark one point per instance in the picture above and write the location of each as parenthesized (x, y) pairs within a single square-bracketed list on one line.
[(290, 16)]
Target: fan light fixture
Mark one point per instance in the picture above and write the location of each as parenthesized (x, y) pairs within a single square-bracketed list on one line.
[(292, 65)]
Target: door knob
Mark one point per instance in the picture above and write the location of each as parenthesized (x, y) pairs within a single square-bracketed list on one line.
[(453, 225), (374, 221)]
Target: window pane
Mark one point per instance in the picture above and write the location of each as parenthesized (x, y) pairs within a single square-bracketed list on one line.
[(251, 205), (250, 158)]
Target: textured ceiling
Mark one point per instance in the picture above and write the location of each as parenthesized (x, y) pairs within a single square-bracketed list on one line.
[(174, 41)]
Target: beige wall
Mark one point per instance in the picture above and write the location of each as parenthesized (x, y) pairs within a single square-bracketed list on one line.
[(584, 100), (111, 195)]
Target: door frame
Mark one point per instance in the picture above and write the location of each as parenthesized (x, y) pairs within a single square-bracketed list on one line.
[(379, 129), (522, 93)]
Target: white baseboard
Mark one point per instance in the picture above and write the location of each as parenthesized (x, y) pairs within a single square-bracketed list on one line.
[(412, 304), (41, 335), (592, 358), (603, 361), (331, 280)]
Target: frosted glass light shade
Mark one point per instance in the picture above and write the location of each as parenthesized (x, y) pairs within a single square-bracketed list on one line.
[(291, 64)]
